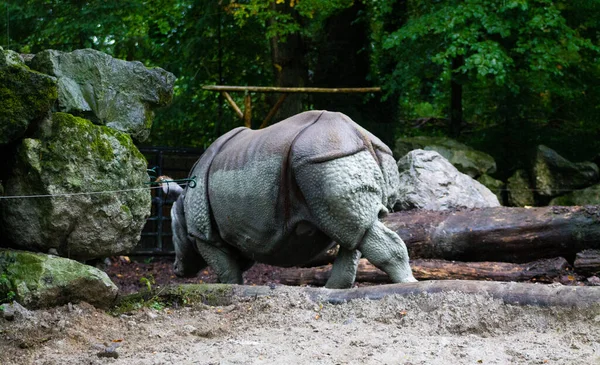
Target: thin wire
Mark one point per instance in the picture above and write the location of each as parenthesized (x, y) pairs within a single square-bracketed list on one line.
[(76, 194)]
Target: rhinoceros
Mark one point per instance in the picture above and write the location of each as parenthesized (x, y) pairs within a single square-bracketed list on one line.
[(284, 194)]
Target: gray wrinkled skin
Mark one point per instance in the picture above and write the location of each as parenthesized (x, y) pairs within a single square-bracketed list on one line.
[(283, 194)]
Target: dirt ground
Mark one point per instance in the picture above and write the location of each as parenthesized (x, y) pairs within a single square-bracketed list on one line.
[(443, 328)]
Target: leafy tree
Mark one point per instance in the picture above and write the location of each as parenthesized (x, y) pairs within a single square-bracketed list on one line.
[(514, 62)]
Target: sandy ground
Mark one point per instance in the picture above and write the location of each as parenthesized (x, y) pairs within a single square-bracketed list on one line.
[(450, 328)]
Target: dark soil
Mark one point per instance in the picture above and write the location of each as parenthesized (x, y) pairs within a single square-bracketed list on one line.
[(133, 274)]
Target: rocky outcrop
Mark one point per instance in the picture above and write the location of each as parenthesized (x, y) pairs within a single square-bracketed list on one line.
[(466, 159), (588, 196), (72, 156), (520, 193), (41, 281), (26, 96), (429, 181), (553, 174), (105, 90)]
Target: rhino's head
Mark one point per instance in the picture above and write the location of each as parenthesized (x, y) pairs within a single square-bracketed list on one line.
[(187, 259)]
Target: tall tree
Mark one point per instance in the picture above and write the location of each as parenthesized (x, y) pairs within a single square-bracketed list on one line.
[(519, 49)]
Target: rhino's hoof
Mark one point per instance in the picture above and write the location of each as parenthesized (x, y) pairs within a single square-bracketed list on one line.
[(182, 271)]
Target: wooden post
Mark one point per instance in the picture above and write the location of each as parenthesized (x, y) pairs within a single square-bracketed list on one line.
[(273, 110), (248, 110), (236, 108)]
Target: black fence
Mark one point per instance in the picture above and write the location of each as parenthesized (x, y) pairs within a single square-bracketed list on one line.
[(175, 162)]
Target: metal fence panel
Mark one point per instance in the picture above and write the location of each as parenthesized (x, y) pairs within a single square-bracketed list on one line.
[(175, 162)]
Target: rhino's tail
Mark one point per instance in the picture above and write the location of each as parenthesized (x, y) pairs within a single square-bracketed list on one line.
[(171, 189)]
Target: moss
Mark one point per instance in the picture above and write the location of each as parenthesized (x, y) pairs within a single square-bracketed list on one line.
[(187, 294), (25, 96)]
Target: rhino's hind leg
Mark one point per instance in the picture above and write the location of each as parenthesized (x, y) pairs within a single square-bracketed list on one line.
[(386, 250), (345, 197), (344, 267)]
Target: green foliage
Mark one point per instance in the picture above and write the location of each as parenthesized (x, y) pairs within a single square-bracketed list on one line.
[(280, 18), (525, 63), (528, 68)]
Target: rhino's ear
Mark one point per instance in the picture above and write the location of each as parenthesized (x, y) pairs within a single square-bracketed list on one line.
[(171, 189)]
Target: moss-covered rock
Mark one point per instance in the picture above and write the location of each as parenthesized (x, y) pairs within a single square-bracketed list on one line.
[(25, 96), (519, 190), (107, 91), (495, 186), (73, 156), (588, 196), (554, 174), (40, 281), (466, 159)]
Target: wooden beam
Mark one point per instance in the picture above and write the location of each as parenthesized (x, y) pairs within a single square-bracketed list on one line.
[(273, 110), (237, 109), (272, 89)]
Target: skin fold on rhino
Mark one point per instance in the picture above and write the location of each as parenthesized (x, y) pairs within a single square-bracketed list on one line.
[(284, 194)]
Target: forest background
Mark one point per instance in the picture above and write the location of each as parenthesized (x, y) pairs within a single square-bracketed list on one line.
[(500, 76)]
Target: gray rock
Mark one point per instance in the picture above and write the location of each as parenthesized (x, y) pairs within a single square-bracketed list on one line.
[(519, 190), (25, 96), (74, 156), (587, 196), (495, 186), (429, 181), (14, 310), (42, 281), (466, 159), (554, 174), (106, 90)]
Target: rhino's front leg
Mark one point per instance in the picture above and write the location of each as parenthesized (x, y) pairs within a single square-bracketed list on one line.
[(226, 263), (344, 268)]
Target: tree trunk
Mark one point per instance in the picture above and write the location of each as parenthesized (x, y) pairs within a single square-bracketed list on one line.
[(456, 96), (547, 271), (289, 66), (498, 234), (588, 262), (494, 234)]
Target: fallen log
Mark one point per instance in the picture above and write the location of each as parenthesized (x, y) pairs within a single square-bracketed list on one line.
[(498, 234), (588, 262), (510, 293), (546, 270)]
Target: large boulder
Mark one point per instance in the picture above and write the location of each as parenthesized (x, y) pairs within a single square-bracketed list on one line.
[(429, 181), (466, 159), (105, 90), (74, 156), (41, 281), (588, 196), (25, 96), (554, 174), (519, 190)]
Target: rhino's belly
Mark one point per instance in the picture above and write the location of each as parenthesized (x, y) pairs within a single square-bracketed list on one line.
[(296, 247)]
